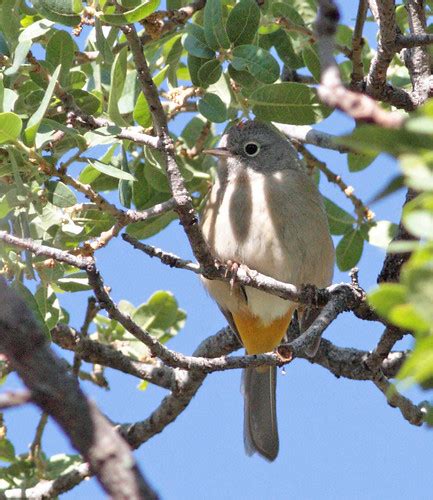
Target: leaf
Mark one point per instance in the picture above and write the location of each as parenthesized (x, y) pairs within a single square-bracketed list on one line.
[(111, 171), (131, 16), (194, 65), (74, 282), (125, 187), (7, 451), (243, 22), (60, 11), (214, 26), (212, 108), (419, 365), (349, 250), (388, 295), (141, 113), (118, 76), (10, 127), (293, 103), (36, 118), (60, 50), (244, 78), (195, 43), (338, 219), (31, 303), (210, 72), (280, 9), (48, 305), (259, 62), (35, 30), (359, 161), (419, 223), (373, 139), (381, 234), (60, 195), (312, 61), (19, 57), (158, 313)]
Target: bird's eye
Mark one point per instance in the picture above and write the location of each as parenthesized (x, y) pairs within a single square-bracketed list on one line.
[(252, 149)]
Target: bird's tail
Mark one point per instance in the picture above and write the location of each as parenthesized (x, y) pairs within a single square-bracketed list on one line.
[(260, 415)]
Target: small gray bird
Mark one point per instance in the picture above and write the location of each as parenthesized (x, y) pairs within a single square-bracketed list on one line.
[(266, 213)]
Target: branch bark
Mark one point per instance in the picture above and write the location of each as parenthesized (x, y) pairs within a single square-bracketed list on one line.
[(59, 395)]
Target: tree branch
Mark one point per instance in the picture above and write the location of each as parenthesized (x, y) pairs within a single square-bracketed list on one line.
[(358, 43), (95, 352), (308, 135), (184, 207), (58, 394), (331, 90)]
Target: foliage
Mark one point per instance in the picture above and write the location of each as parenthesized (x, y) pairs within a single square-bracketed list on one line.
[(64, 62)]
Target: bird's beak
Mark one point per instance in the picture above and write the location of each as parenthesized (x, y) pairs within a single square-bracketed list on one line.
[(217, 152)]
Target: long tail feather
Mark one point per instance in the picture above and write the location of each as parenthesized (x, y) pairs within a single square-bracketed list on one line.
[(260, 416)]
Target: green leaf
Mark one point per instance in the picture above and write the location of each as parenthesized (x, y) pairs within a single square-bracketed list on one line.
[(60, 195), (419, 282), (10, 127), (359, 161), (60, 50), (111, 171), (243, 22), (214, 26), (212, 108), (36, 118), (244, 78), (195, 43), (210, 72), (349, 250), (373, 140), (125, 187), (387, 296), (194, 65), (284, 47), (31, 303), (418, 169), (280, 9), (60, 11), (158, 313), (131, 16), (74, 282), (7, 451), (48, 305), (338, 219), (419, 223), (312, 61), (141, 113), (118, 76), (419, 365), (259, 62), (293, 103)]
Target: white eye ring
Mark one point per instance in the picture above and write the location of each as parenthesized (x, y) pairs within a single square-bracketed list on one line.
[(250, 146)]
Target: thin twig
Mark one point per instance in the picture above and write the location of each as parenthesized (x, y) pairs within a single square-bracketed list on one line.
[(358, 43), (184, 207), (363, 213), (412, 413), (308, 135)]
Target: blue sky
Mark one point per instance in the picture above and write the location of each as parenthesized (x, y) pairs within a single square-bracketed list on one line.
[(338, 438)]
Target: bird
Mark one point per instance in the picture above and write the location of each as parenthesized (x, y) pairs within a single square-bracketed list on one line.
[(264, 212)]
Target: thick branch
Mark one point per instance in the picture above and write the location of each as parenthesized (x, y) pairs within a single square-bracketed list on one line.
[(58, 394), (358, 43)]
